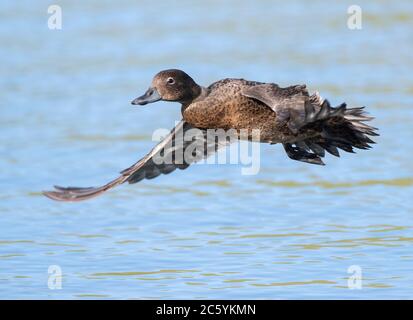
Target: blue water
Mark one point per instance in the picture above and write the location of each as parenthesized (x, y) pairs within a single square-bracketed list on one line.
[(291, 231)]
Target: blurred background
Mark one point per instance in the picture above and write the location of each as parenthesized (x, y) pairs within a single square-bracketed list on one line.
[(292, 231)]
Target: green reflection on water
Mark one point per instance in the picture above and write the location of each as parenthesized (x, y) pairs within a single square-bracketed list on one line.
[(276, 235), (292, 283), (397, 182), (137, 273)]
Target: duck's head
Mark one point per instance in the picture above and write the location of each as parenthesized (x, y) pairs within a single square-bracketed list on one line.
[(170, 85)]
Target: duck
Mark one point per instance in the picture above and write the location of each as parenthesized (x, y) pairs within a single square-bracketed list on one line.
[(306, 125)]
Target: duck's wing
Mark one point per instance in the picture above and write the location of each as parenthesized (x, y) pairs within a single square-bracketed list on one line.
[(288, 103), (174, 151), (336, 127)]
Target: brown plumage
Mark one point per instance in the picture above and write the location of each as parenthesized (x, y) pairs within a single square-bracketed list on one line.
[(306, 125)]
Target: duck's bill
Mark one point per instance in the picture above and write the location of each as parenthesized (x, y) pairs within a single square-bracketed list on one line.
[(152, 95)]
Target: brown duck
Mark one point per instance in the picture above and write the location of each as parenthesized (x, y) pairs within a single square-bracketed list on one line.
[(306, 125)]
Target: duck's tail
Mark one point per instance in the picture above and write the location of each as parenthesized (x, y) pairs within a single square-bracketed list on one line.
[(339, 128)]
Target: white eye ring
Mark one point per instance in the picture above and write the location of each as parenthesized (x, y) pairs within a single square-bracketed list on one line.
[(170, 80)]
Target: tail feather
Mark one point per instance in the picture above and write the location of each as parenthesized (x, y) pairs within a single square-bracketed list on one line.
[(340, 128)]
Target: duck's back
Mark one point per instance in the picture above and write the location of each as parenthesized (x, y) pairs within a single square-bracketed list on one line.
[(225, 106)]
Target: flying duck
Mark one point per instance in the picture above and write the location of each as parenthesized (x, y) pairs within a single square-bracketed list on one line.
[(306, 125)]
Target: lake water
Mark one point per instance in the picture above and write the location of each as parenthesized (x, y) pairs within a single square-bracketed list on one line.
[(291, 231)]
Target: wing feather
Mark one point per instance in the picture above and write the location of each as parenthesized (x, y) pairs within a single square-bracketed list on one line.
[(333, 128), (150, 166), (287, 103)]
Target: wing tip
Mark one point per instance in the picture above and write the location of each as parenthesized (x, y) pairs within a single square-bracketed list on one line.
[(54, 195), (71, 194)]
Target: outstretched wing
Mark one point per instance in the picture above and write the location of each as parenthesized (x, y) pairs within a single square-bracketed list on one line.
[(172, 152)]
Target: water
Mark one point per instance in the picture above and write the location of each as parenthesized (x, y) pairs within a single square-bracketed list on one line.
[(292, 231)]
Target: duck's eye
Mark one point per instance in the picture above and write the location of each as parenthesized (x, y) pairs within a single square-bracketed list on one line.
[(170, 80)]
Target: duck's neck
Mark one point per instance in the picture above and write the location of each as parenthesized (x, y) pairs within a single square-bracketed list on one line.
[(199, 92)]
